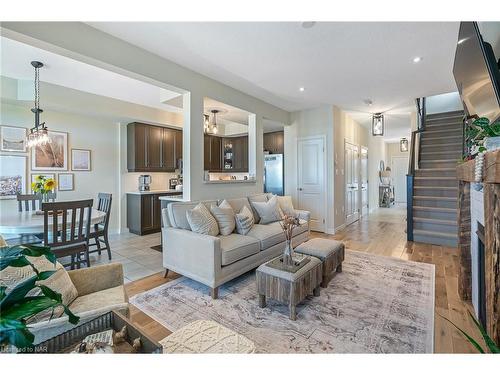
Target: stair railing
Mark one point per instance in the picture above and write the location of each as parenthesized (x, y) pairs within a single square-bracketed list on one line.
[(413, 162)]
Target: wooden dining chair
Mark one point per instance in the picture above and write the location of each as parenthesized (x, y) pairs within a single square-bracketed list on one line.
[(69, 230), (29, 201), (100, 232)]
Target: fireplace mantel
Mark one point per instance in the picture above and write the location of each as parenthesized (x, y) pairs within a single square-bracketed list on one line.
[(491, 189)]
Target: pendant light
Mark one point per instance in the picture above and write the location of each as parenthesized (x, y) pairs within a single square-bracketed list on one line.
[(403, 145), (212, 128), (38, 135), (378, 124)]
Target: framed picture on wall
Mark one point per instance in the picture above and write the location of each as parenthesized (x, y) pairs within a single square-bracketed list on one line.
[(12, 139), (34, 177), (12, 176), (65, 181), (52, 156), (80, 160)]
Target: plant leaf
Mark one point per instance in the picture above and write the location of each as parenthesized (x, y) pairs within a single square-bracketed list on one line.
[(471, 340), (28, 307), (51, 293), (15, 333), (487, 339), (18, 292), (38, 251), (72, 318)]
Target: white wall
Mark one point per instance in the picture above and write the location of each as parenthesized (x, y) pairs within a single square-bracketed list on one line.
[(100, 136), (490, 31), (443, 103), (84, 43)]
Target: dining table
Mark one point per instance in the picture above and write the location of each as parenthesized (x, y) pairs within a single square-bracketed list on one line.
[(31, 222)]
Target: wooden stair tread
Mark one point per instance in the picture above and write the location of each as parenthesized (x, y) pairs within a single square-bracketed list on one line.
[(431, 197), (435, 178), (439, 161), (436, 169), (444, 145), (434, 221), (437, 187), (434, 234), (436, 209)]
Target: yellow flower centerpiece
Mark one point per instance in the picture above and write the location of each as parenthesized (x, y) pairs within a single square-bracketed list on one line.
[(43, 186)]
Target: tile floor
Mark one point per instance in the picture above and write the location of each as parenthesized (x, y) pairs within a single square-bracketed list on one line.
[(134, 253)]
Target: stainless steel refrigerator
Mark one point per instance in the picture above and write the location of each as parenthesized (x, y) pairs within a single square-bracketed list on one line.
[(273, 174)]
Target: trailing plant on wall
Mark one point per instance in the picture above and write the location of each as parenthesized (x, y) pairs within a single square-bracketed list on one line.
[(20, 303), (476, 134)]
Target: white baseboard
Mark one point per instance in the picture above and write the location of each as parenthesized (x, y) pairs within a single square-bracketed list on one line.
[(330, 230)]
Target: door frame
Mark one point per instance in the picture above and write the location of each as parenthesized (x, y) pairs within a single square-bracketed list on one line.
[(404, 187), (325, 169), (363, 212)]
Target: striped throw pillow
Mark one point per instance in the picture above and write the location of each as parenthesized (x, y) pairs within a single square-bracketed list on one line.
[(224, 215), (201, 220)]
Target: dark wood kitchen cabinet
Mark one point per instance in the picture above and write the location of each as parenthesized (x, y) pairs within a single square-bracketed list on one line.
[(212, 153), (144, 213), (274, 142), (240, 154), (152, 148)]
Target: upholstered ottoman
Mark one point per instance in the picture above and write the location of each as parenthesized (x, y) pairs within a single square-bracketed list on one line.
[(330, 252), (206, 336)]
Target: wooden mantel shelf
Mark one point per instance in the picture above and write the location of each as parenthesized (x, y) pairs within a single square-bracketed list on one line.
[(465, 171)]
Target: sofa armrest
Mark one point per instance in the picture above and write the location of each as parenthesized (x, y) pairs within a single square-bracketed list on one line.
[(303, 215), (194, 255), (96, 278)]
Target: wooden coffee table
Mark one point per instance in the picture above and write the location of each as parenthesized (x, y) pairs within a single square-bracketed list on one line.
[(290, 288)]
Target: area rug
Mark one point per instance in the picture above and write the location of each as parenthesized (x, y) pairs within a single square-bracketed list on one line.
[(376, 305)]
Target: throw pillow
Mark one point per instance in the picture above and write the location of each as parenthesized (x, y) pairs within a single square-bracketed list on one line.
[(269, 211), (286, 205), (201, 220), (244, 220), (257, 198), (224, 215)]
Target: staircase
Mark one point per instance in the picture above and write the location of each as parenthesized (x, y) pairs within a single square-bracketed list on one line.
[(435, 191)]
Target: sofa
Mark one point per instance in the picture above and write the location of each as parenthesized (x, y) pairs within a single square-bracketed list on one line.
[(100, 290), (215, 260)]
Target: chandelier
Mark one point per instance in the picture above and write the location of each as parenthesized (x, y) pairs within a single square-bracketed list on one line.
[(211, 128), (38, 135), (378, 124)]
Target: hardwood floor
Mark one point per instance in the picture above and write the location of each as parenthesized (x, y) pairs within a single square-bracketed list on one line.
[(380, 233)]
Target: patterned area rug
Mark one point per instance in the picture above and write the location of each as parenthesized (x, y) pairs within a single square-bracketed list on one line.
[(376, 305)]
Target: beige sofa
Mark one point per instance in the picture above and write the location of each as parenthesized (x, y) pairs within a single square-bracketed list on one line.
[(100, 290), (213, 261)]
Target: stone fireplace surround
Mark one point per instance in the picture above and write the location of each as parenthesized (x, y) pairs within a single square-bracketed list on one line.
[(468, 215)]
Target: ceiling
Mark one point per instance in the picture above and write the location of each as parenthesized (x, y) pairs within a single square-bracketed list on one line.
[(65, 72), (341, 63)]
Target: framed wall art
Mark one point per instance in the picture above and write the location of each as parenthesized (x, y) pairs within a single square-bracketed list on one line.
[(52, 156), (80, 160), (65, 182), (46, 175), (12, 176), (12, 139)]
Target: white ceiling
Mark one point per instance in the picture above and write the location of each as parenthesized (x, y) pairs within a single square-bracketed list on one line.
[(62, 71), (341, 63)]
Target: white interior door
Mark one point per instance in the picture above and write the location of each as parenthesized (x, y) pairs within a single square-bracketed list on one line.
[(364, 180), (399, 167), (351, 160), (311, 180)]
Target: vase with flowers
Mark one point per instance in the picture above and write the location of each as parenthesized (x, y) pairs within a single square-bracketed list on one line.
[(288, 224), (43, 186)]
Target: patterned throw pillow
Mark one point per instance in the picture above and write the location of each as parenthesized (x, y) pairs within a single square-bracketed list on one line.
[(224, 215), (244, 221), (286, 205), (201, 220), (269, 211)]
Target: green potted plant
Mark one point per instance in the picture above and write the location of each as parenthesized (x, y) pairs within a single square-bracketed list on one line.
[(18, 304), (481, 136)]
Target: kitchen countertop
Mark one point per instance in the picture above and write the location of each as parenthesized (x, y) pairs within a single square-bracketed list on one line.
[(174, 192), (230, 182), (174, 198)]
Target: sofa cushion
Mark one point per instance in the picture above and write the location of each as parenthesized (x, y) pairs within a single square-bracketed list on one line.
[(235, 247), (269, 211), (257, 198), (201, 220), (267, 235), (224, 214), (244, 220), (237, 203), (108, 297), (177, 212)]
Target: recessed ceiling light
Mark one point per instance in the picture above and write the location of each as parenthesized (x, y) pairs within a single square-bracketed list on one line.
[(308, 24), (368, 102), (301, 89), (417, 59)]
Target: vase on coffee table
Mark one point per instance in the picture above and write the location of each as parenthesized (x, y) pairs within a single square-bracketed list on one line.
[(288, 224)]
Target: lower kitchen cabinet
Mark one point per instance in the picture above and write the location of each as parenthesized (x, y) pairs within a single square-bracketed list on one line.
[(144, 213)]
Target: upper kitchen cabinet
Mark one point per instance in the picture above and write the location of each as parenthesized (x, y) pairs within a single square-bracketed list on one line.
[(274, 142), (152, 148)]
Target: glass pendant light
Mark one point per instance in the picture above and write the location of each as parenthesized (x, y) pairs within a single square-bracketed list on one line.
[(38, 135), (378, 124), (403, 145)]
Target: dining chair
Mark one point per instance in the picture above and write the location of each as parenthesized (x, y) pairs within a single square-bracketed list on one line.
[(69, 231), (100, 232), (29, 201)]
